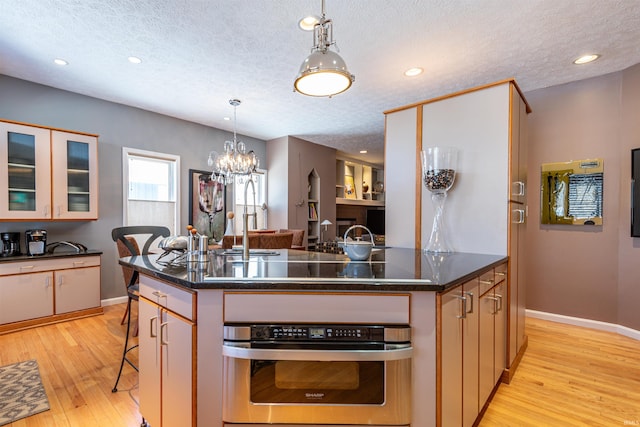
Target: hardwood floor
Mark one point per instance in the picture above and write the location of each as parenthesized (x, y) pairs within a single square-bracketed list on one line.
[(78, 363), (569, 376)]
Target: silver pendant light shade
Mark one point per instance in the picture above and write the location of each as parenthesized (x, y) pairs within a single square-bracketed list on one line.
[(323, 72)]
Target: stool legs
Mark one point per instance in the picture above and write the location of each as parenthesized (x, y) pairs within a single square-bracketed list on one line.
[(126, 349)]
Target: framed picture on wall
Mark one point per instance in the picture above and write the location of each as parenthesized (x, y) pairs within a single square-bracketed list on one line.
[(207, 208)]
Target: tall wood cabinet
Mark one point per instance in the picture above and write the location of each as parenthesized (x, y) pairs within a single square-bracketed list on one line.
[(486, 209), (51, 174)]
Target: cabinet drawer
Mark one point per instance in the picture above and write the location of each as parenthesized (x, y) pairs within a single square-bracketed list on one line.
[(47, 264), (487, 281), (179, 301), (501, 273), (315, 307)]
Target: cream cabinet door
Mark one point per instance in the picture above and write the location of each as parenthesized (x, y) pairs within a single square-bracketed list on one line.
[(149, 362), (452, 308), (26, 296), (75, 175), (25, 177), (77, 289), (176, 346)]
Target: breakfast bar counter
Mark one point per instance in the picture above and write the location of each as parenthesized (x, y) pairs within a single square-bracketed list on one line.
[(195, 371), (390, 269)]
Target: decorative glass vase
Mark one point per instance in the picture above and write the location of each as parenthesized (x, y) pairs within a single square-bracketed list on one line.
[(438, 174)]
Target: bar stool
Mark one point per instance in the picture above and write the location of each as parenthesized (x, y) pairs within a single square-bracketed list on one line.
[(125, 236)]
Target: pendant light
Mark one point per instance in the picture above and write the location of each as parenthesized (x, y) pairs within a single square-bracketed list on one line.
[(324, 72), (235, 160)]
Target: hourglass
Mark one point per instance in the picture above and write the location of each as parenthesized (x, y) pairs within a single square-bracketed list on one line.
[(438, 174)]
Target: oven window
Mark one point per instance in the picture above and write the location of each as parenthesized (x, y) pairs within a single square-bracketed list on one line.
[(317, 382), (325, 375)]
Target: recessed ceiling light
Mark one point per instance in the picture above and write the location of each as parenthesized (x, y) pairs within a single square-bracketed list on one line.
[(363, 151), (59, 61), (308, 22), (134, 60), (226, 118), (412, 72), (585, 59)]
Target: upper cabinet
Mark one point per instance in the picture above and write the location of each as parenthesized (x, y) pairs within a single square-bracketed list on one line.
[(359, 183), (75, 175), (50, 174)]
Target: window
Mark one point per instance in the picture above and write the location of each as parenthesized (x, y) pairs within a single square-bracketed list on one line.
[(151, 188), (260, 182)]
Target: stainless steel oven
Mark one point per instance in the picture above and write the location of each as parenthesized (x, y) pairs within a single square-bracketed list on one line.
[(317, 374)]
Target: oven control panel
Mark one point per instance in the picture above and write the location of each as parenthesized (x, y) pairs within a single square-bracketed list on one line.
[(317, 333)]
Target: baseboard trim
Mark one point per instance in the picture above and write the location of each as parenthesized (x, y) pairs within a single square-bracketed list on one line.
[(587, 323), (113, 301)]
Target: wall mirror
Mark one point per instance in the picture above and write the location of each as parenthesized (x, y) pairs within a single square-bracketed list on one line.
[(571, 192)]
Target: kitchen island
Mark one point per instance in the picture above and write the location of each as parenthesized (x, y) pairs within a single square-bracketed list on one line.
[(184, 376)]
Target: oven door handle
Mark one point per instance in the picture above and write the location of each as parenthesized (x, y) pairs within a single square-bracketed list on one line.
[(244, 352)]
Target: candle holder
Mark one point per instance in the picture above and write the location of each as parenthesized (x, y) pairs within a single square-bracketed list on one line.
[(438, 173)]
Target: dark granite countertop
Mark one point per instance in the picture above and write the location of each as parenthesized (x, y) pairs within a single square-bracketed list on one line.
[(56, 254), (391, 269)]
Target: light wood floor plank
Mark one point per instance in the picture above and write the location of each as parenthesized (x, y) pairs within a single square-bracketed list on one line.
[(569, 376)]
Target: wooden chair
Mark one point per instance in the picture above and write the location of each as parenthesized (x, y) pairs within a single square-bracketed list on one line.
[(276, 241), (126, 243), (298, 237), (228, 241)]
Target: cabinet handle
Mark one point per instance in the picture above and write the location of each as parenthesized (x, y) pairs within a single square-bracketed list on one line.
[(159, 295), (163, 329), (470, 294), (495, 304), (464, 307), (487, 282), (47, 282), (517, 188), (46, 210), (60, 281), (152, 329), (519, 219), (499, 299), (78, 263)]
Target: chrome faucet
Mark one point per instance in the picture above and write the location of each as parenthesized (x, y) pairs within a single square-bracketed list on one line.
[(245, 218)]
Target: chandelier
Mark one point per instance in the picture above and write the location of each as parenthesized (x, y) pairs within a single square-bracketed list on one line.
[(323, 72), (235, 160)]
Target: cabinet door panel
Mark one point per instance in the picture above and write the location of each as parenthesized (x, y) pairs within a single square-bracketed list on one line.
[(486, 357), (500, 333), (77, 289), (25, 184), (149, 361), (471, 332), (451, 358), (75, 176), (26, 296), (177, 371)]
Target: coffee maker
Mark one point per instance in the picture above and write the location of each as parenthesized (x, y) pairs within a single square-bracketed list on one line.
[(9, 244), (36, 241)]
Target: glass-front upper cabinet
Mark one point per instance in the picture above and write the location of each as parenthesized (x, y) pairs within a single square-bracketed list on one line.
[(75, 175), (25, 172)]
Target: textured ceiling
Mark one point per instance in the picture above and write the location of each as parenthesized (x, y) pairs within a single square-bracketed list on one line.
[(198, 54)]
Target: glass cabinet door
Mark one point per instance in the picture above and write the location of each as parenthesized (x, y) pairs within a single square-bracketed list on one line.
[(25, 191), (75, 183)]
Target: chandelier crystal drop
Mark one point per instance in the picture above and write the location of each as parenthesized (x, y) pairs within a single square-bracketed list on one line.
[(235, 160), (323, 72)]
